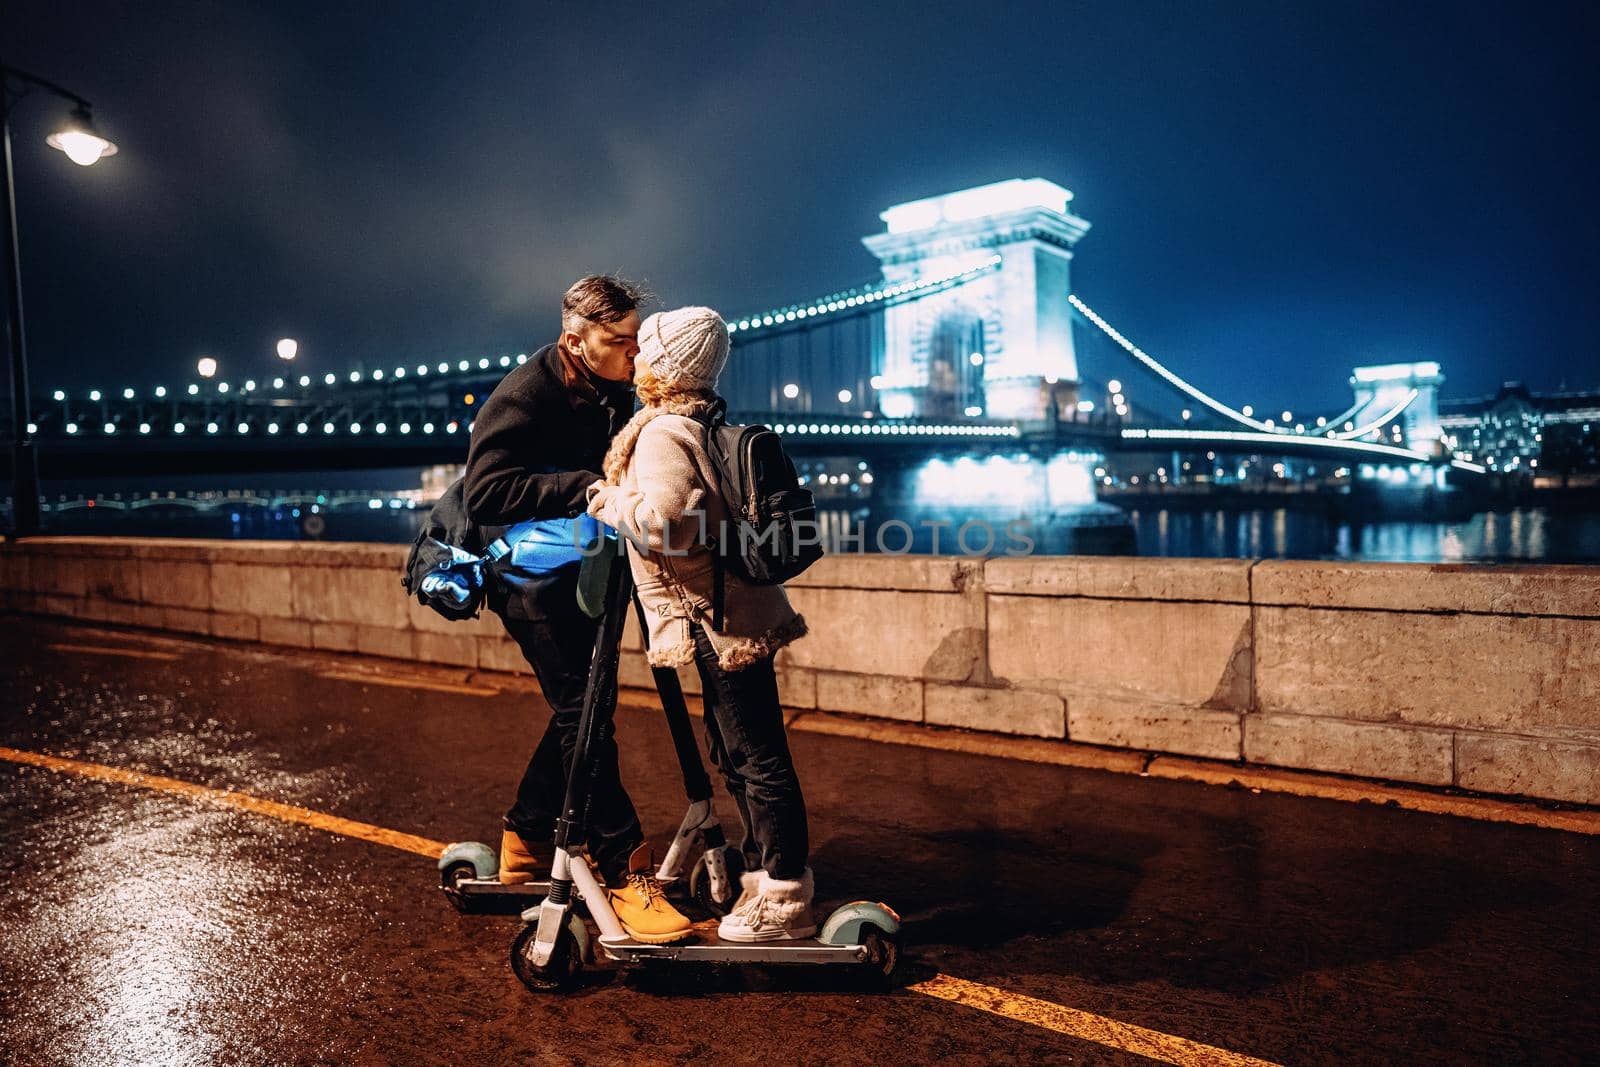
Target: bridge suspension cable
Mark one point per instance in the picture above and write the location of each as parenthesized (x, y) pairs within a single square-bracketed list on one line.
[(1377, 423), (857, 301), (1139, 354), (1223, 409)]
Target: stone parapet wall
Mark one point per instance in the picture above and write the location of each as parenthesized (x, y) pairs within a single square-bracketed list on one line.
[(1487, 678)]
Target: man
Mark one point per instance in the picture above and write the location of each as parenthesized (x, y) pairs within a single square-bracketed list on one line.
[(537, 444)]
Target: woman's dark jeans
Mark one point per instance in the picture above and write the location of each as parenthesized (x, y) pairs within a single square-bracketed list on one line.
[(747, 743)]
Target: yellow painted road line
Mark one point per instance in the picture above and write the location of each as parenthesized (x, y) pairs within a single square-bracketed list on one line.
[(1152, 1044), (1087, 1026), (410, 683), (378, 835), (111, 650)]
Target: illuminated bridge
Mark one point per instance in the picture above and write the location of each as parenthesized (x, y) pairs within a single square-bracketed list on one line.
[(971, 348)]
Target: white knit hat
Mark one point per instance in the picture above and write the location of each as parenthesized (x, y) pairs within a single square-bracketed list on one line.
[(685, 346)]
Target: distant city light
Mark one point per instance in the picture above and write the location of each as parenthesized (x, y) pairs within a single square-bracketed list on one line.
[(161, 390), (288, 348), (844, 396), (1187, 414), (127, 394), (973, 411), (1248, 410), (207, 367), (94, 394), (1113, 386), (1086, 406), (277, 383), (59, 395), (976, 359), (791, 391), (329, 379), (305, 380)]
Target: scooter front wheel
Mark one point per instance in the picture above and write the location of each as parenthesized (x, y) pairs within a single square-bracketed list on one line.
[(703, 891), (556, 976), (883, 953)]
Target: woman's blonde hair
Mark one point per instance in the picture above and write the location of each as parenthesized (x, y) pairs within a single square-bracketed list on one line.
[(656, 392)]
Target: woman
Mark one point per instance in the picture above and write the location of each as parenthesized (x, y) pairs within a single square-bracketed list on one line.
[(659, 489)]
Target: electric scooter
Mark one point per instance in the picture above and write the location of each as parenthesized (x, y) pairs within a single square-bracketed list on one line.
[(699, 860), (699, 864), (549, 952)]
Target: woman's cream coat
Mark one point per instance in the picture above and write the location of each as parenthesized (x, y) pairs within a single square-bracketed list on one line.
[(657, 487)]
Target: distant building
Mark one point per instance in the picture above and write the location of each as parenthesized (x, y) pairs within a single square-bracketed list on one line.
[(1520, 431)]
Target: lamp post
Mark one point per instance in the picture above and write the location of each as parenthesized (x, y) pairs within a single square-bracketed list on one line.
[(84, 146)]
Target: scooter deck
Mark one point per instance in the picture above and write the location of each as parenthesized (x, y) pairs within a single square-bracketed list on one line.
[(703, 945), (493, 887)]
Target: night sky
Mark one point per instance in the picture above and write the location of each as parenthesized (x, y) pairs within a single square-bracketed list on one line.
[(1278, 191)]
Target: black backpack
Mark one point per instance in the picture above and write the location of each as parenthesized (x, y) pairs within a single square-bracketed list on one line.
[(772, 533), (450, 547)]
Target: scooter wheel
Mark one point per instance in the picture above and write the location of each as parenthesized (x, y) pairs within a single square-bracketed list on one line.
[(452, 876), (554, 977), (883, 954), (700, 885)]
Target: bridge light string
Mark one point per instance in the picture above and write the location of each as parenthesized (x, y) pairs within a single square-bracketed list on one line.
[(853, 299), (1395, 451)]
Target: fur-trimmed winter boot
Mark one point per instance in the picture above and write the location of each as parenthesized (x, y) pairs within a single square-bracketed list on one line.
[(778, 910)]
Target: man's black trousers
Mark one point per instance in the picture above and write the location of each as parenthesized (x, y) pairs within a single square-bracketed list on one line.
[(558, 644)]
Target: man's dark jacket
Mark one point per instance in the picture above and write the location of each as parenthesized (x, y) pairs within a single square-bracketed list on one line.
[(537, 444)]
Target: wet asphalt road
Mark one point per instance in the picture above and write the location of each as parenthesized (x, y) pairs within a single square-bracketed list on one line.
[(143, 927)]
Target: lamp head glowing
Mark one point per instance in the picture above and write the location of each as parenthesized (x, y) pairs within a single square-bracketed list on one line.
[(207, 367), (80, 141), (288, 348)]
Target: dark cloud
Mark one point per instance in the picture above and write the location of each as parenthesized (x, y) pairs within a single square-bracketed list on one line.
[(1278, 191)]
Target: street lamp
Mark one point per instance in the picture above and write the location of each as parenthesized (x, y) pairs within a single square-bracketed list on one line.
[(84, 146)]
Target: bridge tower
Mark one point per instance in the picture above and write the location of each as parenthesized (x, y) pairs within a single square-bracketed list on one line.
[(1000, 345), (1380, 388)]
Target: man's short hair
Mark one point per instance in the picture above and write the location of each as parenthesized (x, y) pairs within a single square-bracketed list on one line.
[(600, 298)]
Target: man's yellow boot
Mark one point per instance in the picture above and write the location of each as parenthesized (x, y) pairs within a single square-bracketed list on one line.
[(641, 906), (518, 864)]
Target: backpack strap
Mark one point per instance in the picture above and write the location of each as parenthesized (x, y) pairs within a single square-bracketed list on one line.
[(716, 591)]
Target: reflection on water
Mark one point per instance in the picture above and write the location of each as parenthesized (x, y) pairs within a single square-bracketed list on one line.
[(1520, 534)]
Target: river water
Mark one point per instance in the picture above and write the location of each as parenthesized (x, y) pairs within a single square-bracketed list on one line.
[(367, 506)]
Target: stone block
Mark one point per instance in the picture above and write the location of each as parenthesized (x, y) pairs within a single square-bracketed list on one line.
[(111, 579), (1218, 580), (57, 574), (150, 616), (1527, 766), (1006, 711), (1372, 750), (1488, 672), (186, 620), (932, 574), (236, 627), (797, 687), (1096, 719), (175, 583), (295, 633), (882, 696), (459, 651), (252, 589), (333, 636), (425, 619), (1190, 653), (501, 654), (1428, 587), (911, 635), (385, 641), (345, 594), (633, 671)]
